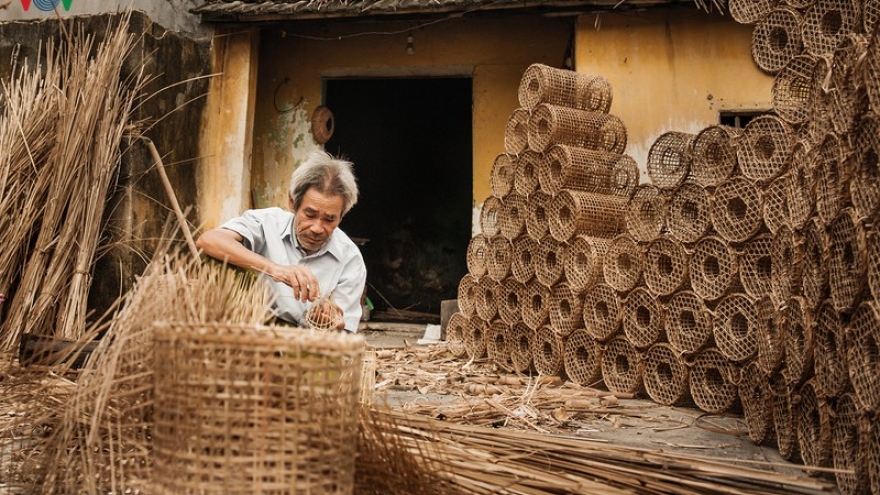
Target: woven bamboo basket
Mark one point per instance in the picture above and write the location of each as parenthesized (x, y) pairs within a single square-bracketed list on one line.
[(547, 351), (525, 181), (801, 192), (826, 24), (872, 453), (497, 346), (549, 264), (713, 268), (253, 409), (643, 320), (756, 269), (537, 219), (577, 212), (666, 266), (566, 309), (536, 311), (776, 194), (520, 352), (813, 427), (849, 443), (870, 16), (623, 264), (665, 375), (865, 185), (543, 84), (669, 159), (476, 255), (498, 259), (490, 216), (870, 66), (582, 358), (368, 377), (777, 39), (566, 167), (830, 177), (756, 398), (795, 88), (862, 356), (622, 367), (688, 322), (626, 176), (798, 335), (688, 216), (750, 11), (714, 155), (522, 263), (467, 293), (784, 418), (815, 262), (847, 260), (552, 124), (511, 296), (737, 212), (845, 93), (485, 303), (787, 256), (831, 375), (646, 215), (502, 175), (601, 312), (512, 222), (736, 327), (455, 332), (874, 263), (764, 147), (714, 381), (474, 337), (771, 336), (516, 131), (582, 266)]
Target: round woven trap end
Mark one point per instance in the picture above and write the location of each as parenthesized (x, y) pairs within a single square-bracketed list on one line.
[(621, 366), (547, 351), (688, 322), (714, 381), (601, 311), (665, 375), (623, 264), (583, 358)]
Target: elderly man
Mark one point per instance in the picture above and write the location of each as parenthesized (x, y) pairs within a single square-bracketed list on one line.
[(301, 252)]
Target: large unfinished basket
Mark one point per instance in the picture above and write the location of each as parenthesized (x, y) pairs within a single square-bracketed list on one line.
[(553, 124), (511, 295), (756, 398), (764, 147), (777, 39), (516, 131), (583, 358), (543, 84), (601, 312), (849, 444), (577, 212), (827, 23), (688, 216), (646, 214), (714, 155), (537, 215), (622, 368), (799, 341), (736, 327), (771, 336), (583, 261), (476, 255), (813, 427), (831, 376), (502, 175), (566, 309), (643, 319), (549, 264), (847, 260), (525, 181), (714, 380), (688, 322), (865, 184), (862, 355), (536, 310), (669, 159), (713, 268), (490, 216), (784, 418), (756, 269), (666, 266), (567, 167), (547, 351), (737, 212), (252, 409), (815, 262), (795, 89), (665, 375), (500, 253), (514, 209), (624, 263), (518, 344), (786, 253), (525, 254)]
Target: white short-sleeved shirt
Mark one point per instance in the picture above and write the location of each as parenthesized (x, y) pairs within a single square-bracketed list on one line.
[(338, 265)]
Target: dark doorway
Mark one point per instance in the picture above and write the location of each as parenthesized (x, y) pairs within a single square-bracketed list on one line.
[(410, 141)]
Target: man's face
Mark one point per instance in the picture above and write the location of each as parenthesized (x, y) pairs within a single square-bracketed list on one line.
[(318, 215)]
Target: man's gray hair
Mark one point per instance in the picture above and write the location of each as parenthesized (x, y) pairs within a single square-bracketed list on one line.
[(328, 175)]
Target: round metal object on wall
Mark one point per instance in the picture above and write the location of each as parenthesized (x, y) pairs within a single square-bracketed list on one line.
[(583, 358), (688, 322), (322, 124), (714, 155), (714, 381), (777, 39), (622, 369), (756, 398)]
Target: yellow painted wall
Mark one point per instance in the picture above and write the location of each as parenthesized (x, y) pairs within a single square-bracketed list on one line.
[(671, 70)]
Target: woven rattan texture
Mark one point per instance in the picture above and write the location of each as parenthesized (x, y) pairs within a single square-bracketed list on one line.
[(872, 453), (536, 310), (830, 178), (665, 375), (497, 347), (547, 351), (714, 156), (688, 216), (502, 175), (757, 403), (737, 212), (549, 263), (622, 369), (848, 447), (688, 322), (601, 312), (666, 266), (815, 262), (525, 181), (511, 295), (776, 212), (525, 254), (813, 428), (626, 176), (577, 212), (862, 357), (455, 331), (520, 352), (799, 341), (566, 309), (770, 335), (467, 294), (485, 304), (566, 167), (827, 22), (490, 216), (583, 358), (476, 255), (552, 124), (646, 215), (736, 327), (543, 84), (795, 89), (500, 253), (847, 260), (583, 261), (713, 268), (787, 254), (516, 131), (669, 159), (756, 268), (537, 220), (874, 263), (643, 319), (801, 193), (784, 419), (714, 381), (514, 210), (255, 410), (764, 147), (846, 96), (865, 183), (474, 337), (777, 39), (871, 66), (830, 373), (624, 263), (750, 11)]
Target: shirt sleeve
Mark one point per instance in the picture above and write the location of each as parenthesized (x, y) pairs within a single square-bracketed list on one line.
[(250, 227), (347, 294)]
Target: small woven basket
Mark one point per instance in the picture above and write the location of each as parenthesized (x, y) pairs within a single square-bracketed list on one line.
[(476, 255), (826, 24), (784, 419), (485, 303), (254, 409), (643, 319), (665, 375), (536, 310), (666, 266), (516, 131), (646, 215), (865, 185), (537, 219), (553, 124), (813, 427), (601, 312), (455, 332), (583, 358), (547, 351), (577, 212), (737, 212), (756, 398), (750, 11), (787, 255), (499, 257), (736, 327), (566, 167), (566, 309), (714, 156), (525, 181), (849, 445), (624, 263), (669, 159), (713, 268), (490, 216), (831, 375), (584, 257), (549, 263), (497, 346), (522, 263), (798, 335), (795, 89), (518, 344), (502, 175), (688, 216), (777, 39), (688, 322), (622, 367), (847, 260), (543, 84), (512, 221), (771, 336), (467, 293), (764, 147), (862, 355), (512, 294), (714, 382), (756, 269), (815, 262)]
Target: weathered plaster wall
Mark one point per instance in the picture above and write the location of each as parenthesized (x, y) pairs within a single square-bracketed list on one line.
[(671, 70)]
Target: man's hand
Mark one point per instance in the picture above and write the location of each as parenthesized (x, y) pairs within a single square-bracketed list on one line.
[(326, 315), (299, 278)]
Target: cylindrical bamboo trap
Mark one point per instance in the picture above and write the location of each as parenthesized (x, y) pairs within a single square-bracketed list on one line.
[(476, 255), (646, 214), (714, 156), (497, 346), (665, 375), (547, 351), (490, 216), (688, 322), (516, 131), (485, 303), (863, 354), (549, 264), (499, 257), (827, 23), (813, 427), (831, 375), (474, 337), (502, 175), (737, 212), (553, 124), (643, 320), (770, 336), (455, 332), (756, 269), (713, 268), (511, 296), (874, 263), (601, 311), (847, 260), (775, 203), (713, 381), (622, 367), (525, 254), (830, 178), (784, 418), (688, 217), (750, 11), (777, 39), (870, 16), (536, 310), (801, 199), (849, 447), (567, 167), (787, 256), (467, 293), (626, 176), (764, 147), (799, 339), (865, 184), (537, 219), (543, 84), (666, 266), (795, 88), (583, 261), (871, 65), (623, 264), (756, 398), (669, 159), (583, 358), (518, 344), (577, 212), (512, 222), (528, 165), (872, 454), (566, 309), (845, 93), (815, 262), (736, 327), (254, 409)]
